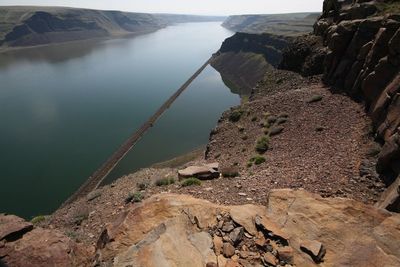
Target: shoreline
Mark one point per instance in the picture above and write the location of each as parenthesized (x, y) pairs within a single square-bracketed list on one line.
[(115, 36)]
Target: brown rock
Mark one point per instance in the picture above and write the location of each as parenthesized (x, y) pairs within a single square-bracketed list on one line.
[(260, 239), (41, 247), (217, 245), (228, 250), (157, 232), (313, 248), (236, 235), (13, 227), (211, 264), (232, 263), (200, 172), (269, 226), (286, 254), (270, 259)]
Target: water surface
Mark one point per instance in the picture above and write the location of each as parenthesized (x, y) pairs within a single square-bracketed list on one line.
[(64, 109)]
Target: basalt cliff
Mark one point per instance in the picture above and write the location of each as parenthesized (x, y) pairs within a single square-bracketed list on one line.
[(302, 173), (22, 26)]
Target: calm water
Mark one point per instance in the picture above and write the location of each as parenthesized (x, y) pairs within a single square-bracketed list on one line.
[(64, 109)]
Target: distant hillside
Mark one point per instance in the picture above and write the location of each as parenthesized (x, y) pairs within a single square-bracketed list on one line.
[(282, 24), (30, 26)]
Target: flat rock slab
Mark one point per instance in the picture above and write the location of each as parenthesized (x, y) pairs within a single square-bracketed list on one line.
[(201, 172), (354, 234)]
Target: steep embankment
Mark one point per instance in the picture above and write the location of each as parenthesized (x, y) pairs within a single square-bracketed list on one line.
[(291, 24), (245, 57), (30, 26), (362, 58)]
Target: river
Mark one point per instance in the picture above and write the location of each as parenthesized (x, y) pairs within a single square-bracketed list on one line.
[(64, 109)]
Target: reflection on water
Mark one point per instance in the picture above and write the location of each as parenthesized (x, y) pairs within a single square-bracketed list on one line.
[(65, 108)]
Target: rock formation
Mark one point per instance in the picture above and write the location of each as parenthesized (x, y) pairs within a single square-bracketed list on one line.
[(361, 51)]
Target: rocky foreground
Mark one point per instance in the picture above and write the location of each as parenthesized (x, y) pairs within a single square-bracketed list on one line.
[(295, 228), (326, 125)]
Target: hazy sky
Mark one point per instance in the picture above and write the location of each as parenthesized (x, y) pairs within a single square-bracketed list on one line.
[(212, 7)]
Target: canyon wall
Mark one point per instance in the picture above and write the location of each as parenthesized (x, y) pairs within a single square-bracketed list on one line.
[(30, 26)]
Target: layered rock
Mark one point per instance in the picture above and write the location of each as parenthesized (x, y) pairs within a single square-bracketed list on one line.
[(244, 58), (295, 227)]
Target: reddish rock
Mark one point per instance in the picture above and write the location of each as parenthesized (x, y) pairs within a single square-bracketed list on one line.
[(286, 254), (270, 259), (217, 241), (41, 247), (12, 227), (228, 250), (313, 248)]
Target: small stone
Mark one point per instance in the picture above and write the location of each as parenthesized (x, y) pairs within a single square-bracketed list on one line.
[(211, 264), (260, 239), (208, 189), (228, 250), (285, 254), (228, 226), (248, 235), (313, 248), (235, 258), (249, 199), (242, 194), (217, 241), (270, 259), (237, 235)]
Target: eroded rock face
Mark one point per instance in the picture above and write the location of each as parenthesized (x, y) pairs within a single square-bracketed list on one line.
[(21, 245), (176, 230)]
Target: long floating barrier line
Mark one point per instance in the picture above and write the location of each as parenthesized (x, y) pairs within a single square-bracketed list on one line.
[(101, 173)]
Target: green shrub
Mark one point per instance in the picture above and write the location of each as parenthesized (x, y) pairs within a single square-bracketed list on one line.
[(235, 115), (262, 144), (257, 160), (134, 197), (230, 171), (191, 181), (38, 219), (165, 181), (276, 130), (315, 98), (281, 121)]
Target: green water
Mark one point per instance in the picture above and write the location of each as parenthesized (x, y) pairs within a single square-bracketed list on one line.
[(65, 109)]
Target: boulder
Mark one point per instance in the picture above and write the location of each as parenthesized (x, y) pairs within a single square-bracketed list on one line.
[(204, 172), (228, 250), (13, 227), (39, 247)]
